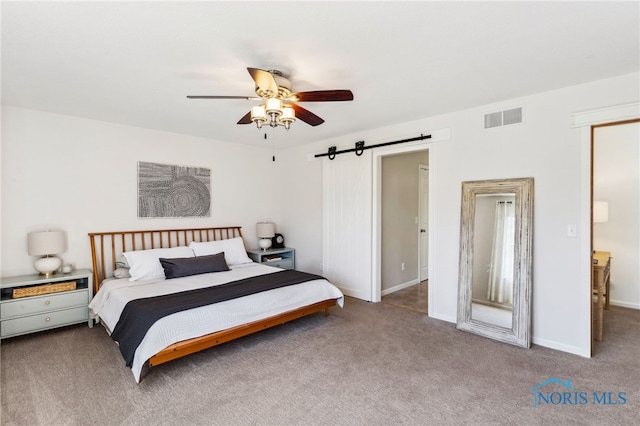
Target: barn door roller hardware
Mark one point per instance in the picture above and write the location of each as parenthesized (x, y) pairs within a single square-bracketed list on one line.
[(359, 149)]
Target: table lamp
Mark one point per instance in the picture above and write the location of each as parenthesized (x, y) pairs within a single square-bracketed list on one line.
[(265, 231), (600, 215), (46, 244), (600, 212)]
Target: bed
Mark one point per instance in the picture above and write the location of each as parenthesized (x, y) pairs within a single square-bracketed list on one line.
[(160, 269)]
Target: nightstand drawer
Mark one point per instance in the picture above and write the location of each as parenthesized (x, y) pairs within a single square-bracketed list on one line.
[(37, 304), (281, 263), (43, 321)]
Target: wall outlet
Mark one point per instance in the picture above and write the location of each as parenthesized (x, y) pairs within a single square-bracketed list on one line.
[(402, 266)]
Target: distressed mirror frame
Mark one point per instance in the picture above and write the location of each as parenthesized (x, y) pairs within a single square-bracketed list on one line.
[(520, 332)]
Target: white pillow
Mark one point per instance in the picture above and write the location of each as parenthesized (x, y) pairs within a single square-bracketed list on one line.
[(233, 248), (145, 264)]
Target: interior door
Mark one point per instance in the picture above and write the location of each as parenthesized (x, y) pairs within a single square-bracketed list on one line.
[(423, 221), (346, 223)]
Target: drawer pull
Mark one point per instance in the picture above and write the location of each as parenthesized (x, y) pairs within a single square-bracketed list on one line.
[(47, 319), (48, 302)]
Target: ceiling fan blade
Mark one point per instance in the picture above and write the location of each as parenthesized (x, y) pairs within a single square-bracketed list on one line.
[(307, 116), (323, 96), (221, 97), (246, 119), (264, 82)]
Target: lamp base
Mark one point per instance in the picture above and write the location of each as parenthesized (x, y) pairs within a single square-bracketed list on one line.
[(47, 265), (264, 243)]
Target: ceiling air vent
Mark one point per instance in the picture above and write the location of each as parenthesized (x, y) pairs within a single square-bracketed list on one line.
[(503, 118)]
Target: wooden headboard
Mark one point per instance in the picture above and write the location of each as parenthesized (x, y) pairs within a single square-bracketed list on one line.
[(106, 247)]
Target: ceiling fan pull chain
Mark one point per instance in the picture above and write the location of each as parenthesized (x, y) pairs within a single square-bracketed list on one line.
[(273, 147)]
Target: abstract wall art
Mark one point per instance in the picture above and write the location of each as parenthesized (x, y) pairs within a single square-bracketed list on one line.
[(166, 190)]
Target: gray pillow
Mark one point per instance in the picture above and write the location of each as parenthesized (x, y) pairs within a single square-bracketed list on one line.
[(185, 266), (122, 273)]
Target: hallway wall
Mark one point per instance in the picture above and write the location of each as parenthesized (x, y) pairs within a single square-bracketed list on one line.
[(400, 186)]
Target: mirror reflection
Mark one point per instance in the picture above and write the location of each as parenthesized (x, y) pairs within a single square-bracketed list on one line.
[(493, 259)]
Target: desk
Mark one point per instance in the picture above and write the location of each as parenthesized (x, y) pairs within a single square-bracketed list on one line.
[(601, 281)]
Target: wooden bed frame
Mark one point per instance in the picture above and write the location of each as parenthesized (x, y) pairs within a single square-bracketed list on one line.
[(106, 247)]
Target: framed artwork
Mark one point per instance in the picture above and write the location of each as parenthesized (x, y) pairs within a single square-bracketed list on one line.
[(166, 190)]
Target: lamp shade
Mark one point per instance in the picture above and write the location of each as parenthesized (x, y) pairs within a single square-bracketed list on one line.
[(258, 113), (266, 230), (600, 212), (42, 243), (273, 106), (288, 113)]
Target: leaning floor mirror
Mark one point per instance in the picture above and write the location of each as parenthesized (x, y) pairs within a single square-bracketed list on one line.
[(496, 238)]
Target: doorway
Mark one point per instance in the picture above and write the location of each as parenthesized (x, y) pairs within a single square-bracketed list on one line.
[(403, 225), (615, 198), (585, 121)]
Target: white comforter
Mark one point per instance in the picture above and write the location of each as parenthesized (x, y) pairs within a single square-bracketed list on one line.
[(108, 303)]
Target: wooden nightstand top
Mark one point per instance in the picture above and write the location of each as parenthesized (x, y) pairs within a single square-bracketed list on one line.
[(270, 251)]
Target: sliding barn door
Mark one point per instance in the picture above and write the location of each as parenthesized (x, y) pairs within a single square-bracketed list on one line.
[(347, 211)]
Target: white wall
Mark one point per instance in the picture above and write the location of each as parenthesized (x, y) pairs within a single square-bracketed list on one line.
[(545, 147), (94, 164), (80, 176), (616, 179)]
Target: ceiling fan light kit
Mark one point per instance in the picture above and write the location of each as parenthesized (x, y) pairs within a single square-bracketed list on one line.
[(274, 113), (279, 107)]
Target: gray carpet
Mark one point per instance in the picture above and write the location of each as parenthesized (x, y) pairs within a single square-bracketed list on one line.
[(364, 364)]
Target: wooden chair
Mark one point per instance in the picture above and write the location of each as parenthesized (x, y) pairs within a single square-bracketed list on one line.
[(601, 281)]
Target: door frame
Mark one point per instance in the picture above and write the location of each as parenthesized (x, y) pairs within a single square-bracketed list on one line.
[(437, 135), (593, 142), (586, 121), (420, 214), (376, 282)]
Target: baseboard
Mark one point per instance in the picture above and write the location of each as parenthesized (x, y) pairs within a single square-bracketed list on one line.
[(561, 347), (362, 295), (400, 287), (442, 317), (535, 340), (624, 304)]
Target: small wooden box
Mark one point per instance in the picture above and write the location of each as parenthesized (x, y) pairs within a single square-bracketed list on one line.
[(43, 289)]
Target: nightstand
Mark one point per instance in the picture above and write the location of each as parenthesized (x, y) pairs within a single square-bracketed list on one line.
[(284, 258), (24, 308)]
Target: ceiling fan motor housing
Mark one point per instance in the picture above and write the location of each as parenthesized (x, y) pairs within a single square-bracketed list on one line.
[(283, 83)]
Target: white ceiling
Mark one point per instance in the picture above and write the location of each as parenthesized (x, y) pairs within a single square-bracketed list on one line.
[(135, 62)]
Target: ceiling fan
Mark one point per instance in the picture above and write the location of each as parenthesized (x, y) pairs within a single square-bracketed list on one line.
[(279, 107)]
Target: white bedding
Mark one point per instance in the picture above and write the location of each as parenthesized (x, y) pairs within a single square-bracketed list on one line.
[(108, 303)]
